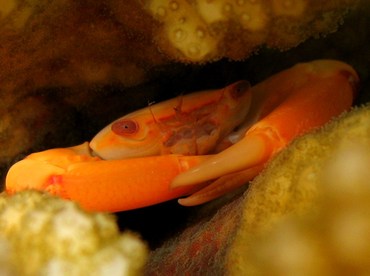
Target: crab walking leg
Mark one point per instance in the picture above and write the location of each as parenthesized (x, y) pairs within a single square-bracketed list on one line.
[(221, 186), (101, 185), (325, 89)]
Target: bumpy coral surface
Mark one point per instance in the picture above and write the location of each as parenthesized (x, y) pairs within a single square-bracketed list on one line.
[(202, 30), (333, 240), (43, 235), (322, 180), (309, 211)]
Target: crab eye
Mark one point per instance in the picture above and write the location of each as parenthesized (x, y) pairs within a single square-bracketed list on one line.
[(125, 127), (239, 89)]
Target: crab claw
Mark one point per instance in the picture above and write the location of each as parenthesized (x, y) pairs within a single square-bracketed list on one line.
[(287, 105), (101, 185)]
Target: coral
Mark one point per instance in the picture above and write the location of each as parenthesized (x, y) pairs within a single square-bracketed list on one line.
[(308, 211), (67, 43), (43, 235), (334, 238), (21, 127), (203, 30)]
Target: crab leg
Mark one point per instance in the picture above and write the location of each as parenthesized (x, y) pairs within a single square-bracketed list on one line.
[(101, 185), (303, 97)]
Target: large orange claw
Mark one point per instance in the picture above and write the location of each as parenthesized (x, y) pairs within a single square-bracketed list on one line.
[(101, 185)]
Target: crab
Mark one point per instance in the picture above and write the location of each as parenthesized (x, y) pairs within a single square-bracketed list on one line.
[(200, 145)]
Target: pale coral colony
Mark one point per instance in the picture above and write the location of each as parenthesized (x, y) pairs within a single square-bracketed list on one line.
[(197, 29)]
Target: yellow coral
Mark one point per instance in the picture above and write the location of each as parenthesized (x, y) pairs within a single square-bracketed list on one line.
[(276, 23), (187, 33), (336, 236), (43, 235), (251, 15), (324, 187)]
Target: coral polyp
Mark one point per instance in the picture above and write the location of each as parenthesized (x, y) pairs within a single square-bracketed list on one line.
[(185, 32)]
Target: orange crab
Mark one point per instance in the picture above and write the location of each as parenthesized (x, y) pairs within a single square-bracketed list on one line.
[(160, 152)]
